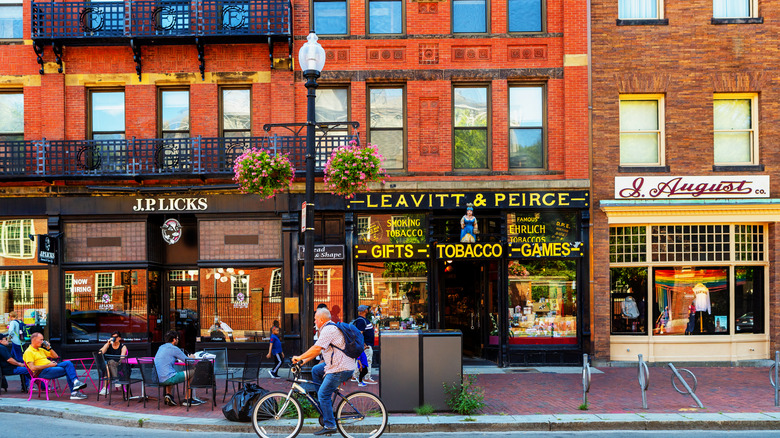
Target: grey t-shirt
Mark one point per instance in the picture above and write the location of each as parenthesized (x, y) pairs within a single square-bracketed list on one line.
[(165, 358)]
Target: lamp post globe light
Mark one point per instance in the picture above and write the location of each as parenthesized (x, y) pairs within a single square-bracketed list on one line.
[(312, 59)]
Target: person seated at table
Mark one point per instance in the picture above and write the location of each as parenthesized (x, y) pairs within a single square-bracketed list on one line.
[(164, 361), (114, 348), (10, 366), (38, 358)]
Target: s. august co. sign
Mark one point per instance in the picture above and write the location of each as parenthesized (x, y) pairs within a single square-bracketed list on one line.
[(691, 187)]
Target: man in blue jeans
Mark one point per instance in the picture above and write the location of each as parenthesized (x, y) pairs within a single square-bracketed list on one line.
[(38, 358), (336, 369)]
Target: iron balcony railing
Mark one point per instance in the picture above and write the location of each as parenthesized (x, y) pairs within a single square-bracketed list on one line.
[(139, 158), (120, 20)]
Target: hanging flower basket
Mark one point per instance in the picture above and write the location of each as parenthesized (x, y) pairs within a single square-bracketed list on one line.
[(351, 168), (260, 172)]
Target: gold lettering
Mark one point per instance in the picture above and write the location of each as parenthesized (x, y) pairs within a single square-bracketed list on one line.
[(409, 251), (513, 202), (549, 199), (416, 201), (563, 199), (441, 197), (376, 251), (534, 199), (401, 201), (368, 202), (386, 201), (500, 197), (566, 250), (458, 198)]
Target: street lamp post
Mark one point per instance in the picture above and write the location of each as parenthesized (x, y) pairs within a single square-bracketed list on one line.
[(312, 60)]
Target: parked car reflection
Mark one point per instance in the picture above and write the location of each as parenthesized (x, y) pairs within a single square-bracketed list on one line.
[(745, 323), (97, 325)]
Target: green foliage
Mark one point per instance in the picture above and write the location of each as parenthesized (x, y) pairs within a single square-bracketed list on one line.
[(470, 149), (259, 172), (307, 409), (465, 398), (350, 168), (425, 409), (583, 407)]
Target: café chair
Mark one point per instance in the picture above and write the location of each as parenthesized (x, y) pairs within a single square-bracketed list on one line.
[(250, 373), (120, 373), (45, 383), (102, 370), (202, 372), (150, 378), (220, 363)]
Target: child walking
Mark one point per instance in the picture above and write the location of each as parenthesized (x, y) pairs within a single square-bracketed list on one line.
[(362, 363), (275, 349)]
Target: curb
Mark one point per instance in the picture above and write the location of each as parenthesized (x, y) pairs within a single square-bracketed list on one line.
[(415, 424)]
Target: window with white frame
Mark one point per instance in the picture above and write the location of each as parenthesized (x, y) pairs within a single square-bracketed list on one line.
[(640, 9), (239, 288), (68, 288), (11, 19), (734, 8), (19, 284), (275, 295), (364, 228), (104, 289), (14, 239), (735, 128), (11, 116), (641, 130), (386, 124), (365, 285), (321, 285)]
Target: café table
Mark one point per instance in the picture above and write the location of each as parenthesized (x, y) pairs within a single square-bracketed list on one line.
[(133, 361), (86, 364)]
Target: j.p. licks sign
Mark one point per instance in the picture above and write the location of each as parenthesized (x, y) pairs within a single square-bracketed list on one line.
[(170, 204), (433, 201), (691, 187)]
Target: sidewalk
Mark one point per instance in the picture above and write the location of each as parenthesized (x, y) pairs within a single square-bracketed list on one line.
[(532, 399)]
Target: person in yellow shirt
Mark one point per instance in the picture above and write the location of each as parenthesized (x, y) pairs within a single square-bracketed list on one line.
[(38, 358)]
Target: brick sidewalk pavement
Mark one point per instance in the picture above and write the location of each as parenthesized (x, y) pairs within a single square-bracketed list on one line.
[(613, 391)]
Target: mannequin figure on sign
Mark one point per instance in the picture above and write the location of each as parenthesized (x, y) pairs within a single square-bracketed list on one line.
[(468, 226)]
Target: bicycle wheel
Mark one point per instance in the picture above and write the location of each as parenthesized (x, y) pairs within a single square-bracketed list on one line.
[(276, 416), (361, 415)]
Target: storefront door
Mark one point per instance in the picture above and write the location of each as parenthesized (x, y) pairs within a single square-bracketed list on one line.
[(182, 293), (468, 293)]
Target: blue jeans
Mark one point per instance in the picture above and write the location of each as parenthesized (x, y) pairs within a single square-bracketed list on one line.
[(64, 368), (328, 384)]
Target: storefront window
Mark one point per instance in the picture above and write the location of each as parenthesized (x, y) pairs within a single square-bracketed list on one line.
[(691, 301), (628, 294), (25, 292), (396, 292), (16, 248), (239, 304), (99, 302), (749, 299), (542, 302)]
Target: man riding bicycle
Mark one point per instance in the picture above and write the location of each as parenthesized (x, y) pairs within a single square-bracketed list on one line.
[(336, 369)]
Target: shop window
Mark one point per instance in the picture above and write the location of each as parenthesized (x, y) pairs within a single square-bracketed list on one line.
[(236, 117), (735, 124), (236, 305), (14, 239), (542, 302), (749, 299), (330, 17), (641, 130), (690, 243), (322, 285), (628, 297), (275, 295), (525, 15), (99, 305), (628, 244), (385, 16), (11, 19), (386, 127), (691, 301), (11, 116), (749, 243), (526, 127), (469, 16), (175, 113), (17, 293), (734, 8), (18, 285), (639, 9), (470, 121), (400, 293)]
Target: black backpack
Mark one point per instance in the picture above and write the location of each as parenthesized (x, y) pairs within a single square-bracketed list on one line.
[(353, 340)]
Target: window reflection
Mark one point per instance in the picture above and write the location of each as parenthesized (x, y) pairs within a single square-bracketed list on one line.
[(396, 292)]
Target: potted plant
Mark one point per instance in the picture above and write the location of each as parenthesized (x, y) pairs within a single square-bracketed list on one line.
[(262, 173), (351, 168)]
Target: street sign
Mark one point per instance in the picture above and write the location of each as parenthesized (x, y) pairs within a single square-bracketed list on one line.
[(303, 217)]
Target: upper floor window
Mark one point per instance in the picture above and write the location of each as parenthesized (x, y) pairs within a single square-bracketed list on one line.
[(639, 9), (235, 106), (11, 26), (385, 16), (470, 122), (330, 17), (11, 116), (175, 113), (735, 125), (469, 16), (386, 124), (734, 8), (332, 105), (641, 130), (14, 239), (107, 111), (526, 127), (524, 15)]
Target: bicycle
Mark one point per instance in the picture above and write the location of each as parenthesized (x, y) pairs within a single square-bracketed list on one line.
[(358, 414)]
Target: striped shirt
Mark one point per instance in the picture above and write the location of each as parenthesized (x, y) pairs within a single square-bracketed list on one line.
[(335, 359)]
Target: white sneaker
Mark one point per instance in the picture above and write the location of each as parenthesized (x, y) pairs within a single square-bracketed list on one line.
[(77, 385), (77, 395), (370, 381), (117, 386), (104, 391)]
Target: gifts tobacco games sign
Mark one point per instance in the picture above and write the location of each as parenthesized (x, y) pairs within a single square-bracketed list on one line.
[(532, 231)]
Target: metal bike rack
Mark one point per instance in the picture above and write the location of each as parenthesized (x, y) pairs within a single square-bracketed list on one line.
[(643, 374), (688, 390), (585, 379), (773, 372)]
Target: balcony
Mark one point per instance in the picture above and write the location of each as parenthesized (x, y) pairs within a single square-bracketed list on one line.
[(150, 158), (137, 23)]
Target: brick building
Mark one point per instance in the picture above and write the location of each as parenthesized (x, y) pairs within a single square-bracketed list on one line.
[(122, 116), (685, 215)]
